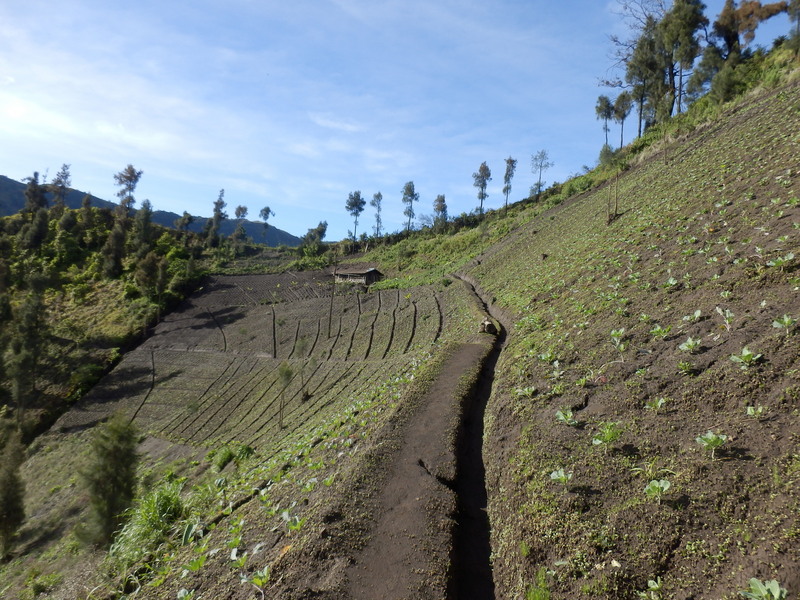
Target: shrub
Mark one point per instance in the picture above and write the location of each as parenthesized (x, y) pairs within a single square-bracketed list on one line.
[(149, 522), (110, 478)]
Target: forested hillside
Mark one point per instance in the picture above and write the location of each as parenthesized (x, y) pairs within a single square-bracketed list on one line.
[(12, 200)]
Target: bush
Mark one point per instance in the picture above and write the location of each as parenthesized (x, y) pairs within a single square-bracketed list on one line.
[(149, 523)]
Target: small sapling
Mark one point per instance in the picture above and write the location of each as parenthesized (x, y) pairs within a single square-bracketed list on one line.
[(656, 489), (727, 317), (785, 322), (711, 441), (659, 331)]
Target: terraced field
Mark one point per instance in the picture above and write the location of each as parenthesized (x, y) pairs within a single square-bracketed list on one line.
[(211, 371)]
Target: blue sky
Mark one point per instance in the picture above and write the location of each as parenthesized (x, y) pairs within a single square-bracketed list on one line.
[(294, 105)]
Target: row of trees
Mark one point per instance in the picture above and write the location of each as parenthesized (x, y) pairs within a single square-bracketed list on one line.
[(675, 53), (356, 203)]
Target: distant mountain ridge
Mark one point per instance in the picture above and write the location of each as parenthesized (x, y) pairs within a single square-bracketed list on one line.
[(12, 200)]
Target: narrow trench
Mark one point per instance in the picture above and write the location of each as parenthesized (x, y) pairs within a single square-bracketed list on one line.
[(471, 571)]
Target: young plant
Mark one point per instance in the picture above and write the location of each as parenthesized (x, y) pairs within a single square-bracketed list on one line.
[(685, 367), (618, 339), (785, 322), (609, 433), (659, 331), (561, 476), (653, 590), (711, 441), (746, 359), (765, 590), (259, 580), (656, 489), (548, 356), (781, 261), (691, 345), (694, 317), (757, 411), (655, 404), (727, 317), (566, 417)]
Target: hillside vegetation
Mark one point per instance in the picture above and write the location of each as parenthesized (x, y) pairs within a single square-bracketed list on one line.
[(676, 319), (641, 432)]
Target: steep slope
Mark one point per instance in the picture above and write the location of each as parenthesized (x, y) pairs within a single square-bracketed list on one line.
[(309, 395), (646, 334)]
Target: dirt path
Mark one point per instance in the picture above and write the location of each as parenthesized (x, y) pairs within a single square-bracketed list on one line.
[(411, 539), (431, 536)]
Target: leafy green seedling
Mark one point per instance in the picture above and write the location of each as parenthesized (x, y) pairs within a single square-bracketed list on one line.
[(259, 580), (657, 488), (685, 367), (694, 317), (757, 411), (609, 433), (526, 392), (711, 441), (566, 417), (746, 359), (655, 404), (561, 476), (653, 589), (659, 331), (727, 317), (691, 345), (294, 523), (781, 261), (548, 356), (238, 560), (670, 283), (195, 565), (185, 594), (785, 322), (618, 339), (765, 590)]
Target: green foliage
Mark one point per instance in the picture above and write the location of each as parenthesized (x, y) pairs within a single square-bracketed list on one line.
[(566, 417), (561, 476), (785, 322), (691, 345), (711, 441), (110, 478), (656, 489), (661, 332), (233, 451), (757, 411), (608, 434), (764, 590), (746, 358), (149, 522), (654, 587), (539, 590)]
